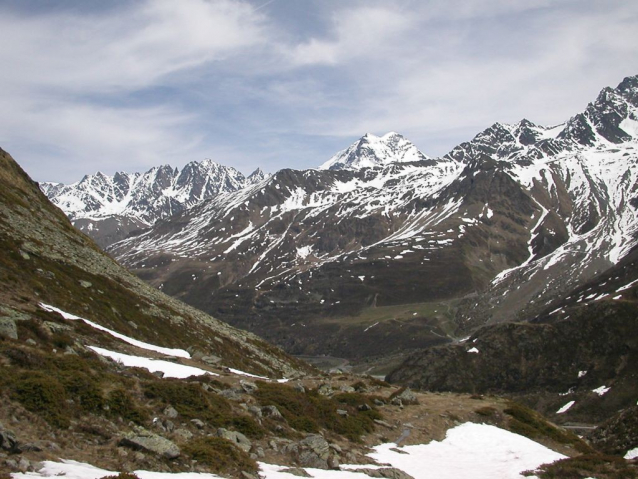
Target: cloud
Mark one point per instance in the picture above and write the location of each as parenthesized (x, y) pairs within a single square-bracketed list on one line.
[(126, 49), (357, 32)]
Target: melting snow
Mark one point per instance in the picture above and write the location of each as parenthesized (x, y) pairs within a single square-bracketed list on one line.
[(601, 391), (566, 407), (180, 353), (473, 350), (170, 370), (632, 454)]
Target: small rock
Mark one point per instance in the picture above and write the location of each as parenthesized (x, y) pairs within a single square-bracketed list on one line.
[(236, 438), (386, 472), (272, 412), (231, 395), (31, 342), (85, 284), (296, 471), (248, 387), (383, 423), (8, 328), (364, 407), (325, 390), (378, 402), (347, 389), (25, 255), (299, 387), (183, 434), (141, 439), (8, 441), (333, 462), (336, 448), (408, 397), (212, 360), (255, 411), (342, 412), (198, 423), (396, 402), (246, 475), (170, 412)]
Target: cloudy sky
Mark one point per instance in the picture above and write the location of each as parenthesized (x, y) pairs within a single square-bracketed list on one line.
[(126, 85)]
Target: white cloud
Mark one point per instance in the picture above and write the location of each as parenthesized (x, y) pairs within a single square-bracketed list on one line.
[(357, 33), (125, 49)]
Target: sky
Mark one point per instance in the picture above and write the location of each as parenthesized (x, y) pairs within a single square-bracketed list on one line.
[(88, 85)]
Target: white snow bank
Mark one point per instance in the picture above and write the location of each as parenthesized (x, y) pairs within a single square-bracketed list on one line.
[(473, 350), (242, 373), (479, 451), (180, 353), (566, 407), (170, 370), (632, 454), (79, 470), (601, 391)]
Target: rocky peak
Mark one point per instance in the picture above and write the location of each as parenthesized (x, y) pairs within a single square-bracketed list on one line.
[(371, 150)]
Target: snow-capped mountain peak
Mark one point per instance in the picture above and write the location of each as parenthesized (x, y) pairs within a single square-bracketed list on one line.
[(371, 150), (109, 207)]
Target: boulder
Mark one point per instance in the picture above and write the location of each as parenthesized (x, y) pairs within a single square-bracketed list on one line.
[(8, 328), (272, 412), (248, 387), (386, 472), (8, 441), (141, 439), (237, 438), (407, 397)]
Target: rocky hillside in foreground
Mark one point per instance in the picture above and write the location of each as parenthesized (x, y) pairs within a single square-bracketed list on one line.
[(363, 261), (45, 260), (109, 208)]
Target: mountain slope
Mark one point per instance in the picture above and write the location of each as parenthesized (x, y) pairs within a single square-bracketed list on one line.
[(387, 259), (108, 208), (45, 260), (370, 151)]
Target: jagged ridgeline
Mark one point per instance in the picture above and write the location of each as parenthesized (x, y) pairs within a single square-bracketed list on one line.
[(45, 260), (384, 250)]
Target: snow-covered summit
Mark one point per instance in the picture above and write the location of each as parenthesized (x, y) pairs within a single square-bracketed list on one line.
[(371, 150), (109, 207)]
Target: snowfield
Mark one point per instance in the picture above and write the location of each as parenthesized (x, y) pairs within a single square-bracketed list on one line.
[(476, 451)]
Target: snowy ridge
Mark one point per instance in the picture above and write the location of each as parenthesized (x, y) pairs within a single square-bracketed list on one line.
[(370, 151), (138, 200), (521, 204)]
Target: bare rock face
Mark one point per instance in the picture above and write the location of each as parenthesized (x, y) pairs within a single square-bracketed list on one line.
[(141, 439)]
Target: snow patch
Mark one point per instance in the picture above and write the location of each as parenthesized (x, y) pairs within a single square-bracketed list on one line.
[(566, 407)]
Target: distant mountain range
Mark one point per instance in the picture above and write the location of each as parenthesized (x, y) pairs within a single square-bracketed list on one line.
[(383, 250), (108, 208)]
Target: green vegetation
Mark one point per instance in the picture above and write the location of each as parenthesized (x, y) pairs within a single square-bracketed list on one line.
[(220, 455), (529, 423), (589, 465), (486, 411), (309, 411), (43, 395)]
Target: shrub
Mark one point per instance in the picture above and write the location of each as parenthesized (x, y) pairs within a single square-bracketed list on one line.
[(43, 395), (248, 427), (590, 465), (220, 455), (121, 404), (486, 411), (191, 401), (531, 424), (84, 390)]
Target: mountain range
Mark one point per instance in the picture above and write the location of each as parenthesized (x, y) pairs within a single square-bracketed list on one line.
[(370, 256), (108, 208)]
